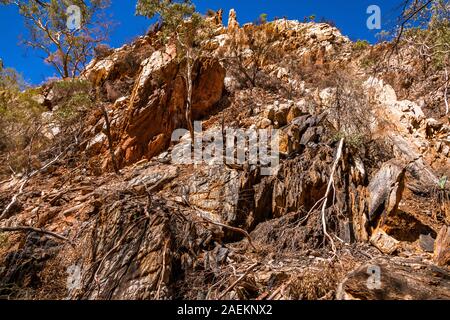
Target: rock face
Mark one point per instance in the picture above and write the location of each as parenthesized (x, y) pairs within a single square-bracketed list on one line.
[(233, 25), (164, 229), (157, 101), (384, 242), (154, 112), (132, 256)]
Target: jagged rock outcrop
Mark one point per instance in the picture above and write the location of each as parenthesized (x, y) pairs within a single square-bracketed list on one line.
[(156, 103), (155, 112), (233, 25)]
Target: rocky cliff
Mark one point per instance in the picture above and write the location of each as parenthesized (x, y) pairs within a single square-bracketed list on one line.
[(361, 183)]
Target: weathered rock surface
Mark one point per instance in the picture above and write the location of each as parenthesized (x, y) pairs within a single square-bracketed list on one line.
[(396, 279), (169, 230), (155, 112)]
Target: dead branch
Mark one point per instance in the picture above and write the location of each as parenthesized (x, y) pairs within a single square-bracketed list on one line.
[(239, 230), (217, 284), (310, 211), (330, 184), (30, 148), (14, 199), (161, 279), (404, 22), (31, 229), (237, 281), (262, 296), (6, 181), (280, 289), (75, 208), (110, 139), (25, 180)]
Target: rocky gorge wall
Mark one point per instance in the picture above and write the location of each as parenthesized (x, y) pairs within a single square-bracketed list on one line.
[(162, 230)]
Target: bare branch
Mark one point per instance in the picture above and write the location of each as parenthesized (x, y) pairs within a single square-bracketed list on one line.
[(31, 229), (238, 280)]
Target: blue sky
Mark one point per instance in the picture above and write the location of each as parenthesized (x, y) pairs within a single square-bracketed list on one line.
[(349, 15)]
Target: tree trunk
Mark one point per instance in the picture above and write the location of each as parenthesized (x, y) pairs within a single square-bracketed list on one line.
[(110, 140), (189, 64)]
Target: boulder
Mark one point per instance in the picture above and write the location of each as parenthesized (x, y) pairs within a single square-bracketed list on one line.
[(385, 189), (224, 195), (426, 243), (384, 242), (395, 279)]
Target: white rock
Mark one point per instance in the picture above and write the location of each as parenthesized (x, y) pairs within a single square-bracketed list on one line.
[(265, 123), (282, 72), (96, 142)]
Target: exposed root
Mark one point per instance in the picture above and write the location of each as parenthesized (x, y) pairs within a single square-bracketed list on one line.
[(235, 229), (330, 184)]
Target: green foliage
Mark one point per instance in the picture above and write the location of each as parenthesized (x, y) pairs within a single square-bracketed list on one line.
[(442, 182), (10, 79), (368, 61), (20, 116), (76, 100), (3, 239), (262, 19), (10, 85), (361, 45), (436, 39), (66, 50), (179, 19), (310, 18), (24, 128), (350, 113), (354, 140), (166, 10), (429, 30)]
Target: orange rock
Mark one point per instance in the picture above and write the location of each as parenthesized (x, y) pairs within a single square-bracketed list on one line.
[(442, 247), (157, 145), (158, 102)]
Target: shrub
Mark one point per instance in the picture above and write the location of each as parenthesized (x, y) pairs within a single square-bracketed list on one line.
[(432, 42), (260, 40), (75, 100), (361, 45), (25, 133)]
